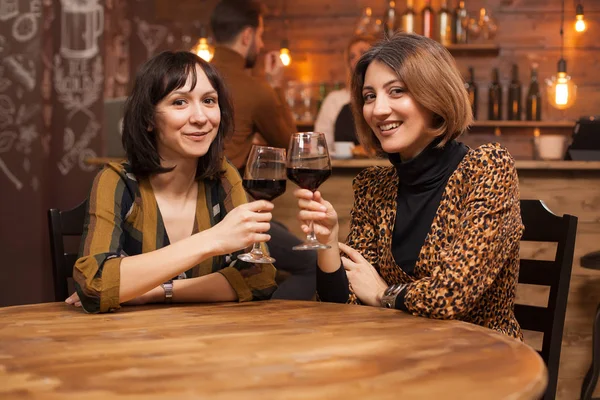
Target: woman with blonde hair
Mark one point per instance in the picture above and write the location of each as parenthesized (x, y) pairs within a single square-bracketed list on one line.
[(335, 118), (436, 234)]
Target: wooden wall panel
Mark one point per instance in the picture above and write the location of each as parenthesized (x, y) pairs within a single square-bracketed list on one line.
[(528, 33)]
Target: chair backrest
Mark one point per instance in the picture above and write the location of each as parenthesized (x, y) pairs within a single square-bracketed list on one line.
[(541, 225), (62, 224)]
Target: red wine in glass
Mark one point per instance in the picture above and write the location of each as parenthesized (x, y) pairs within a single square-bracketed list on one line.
[(264, 179), (309, 166), (264, 189), (308, 178)]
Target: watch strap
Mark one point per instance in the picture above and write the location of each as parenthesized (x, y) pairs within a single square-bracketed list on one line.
[(168, 288)]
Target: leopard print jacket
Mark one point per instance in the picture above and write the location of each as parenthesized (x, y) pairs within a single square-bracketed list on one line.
[(468, 266)]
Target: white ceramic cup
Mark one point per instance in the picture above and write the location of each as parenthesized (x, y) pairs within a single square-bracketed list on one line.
[(343, 149), (550, 147)]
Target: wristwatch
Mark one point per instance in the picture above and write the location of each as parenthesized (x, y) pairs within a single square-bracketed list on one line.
[(168, 288), (388, 300)]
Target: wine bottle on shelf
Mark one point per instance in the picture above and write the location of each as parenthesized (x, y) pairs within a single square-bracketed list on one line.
[(472, 91), (459, 24), (444, 25), (390, 21), (534, 98), (408, 17), (514, 95), (427, 19), (495, 97)]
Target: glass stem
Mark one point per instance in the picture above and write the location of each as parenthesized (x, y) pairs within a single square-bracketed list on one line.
[(256, 250), (311, 237)]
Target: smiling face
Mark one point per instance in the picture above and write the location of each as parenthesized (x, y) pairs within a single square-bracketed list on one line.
[(187, 120), (400, 123)]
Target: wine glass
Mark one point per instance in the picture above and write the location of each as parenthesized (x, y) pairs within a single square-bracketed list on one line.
[(309, 166), (264, 179)]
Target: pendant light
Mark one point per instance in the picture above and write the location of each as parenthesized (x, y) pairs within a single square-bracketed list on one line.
[(560, 88), (202, 47), (580, 25), (284, 50)]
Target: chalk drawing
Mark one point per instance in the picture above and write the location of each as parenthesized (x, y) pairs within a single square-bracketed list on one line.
[(4, 82), (8, 9), (67, 162), (6, 142), (35, 183), (26, 112), (82, 22), (7, 111), (151, 36), (77, 87), (22, 69), (25, 27)]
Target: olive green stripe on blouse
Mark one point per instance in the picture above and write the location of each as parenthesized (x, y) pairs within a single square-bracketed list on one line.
[(105, 223), (149, 217)]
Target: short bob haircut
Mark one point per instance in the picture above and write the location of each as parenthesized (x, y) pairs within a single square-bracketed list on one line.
[(428, 73), (159, 76)]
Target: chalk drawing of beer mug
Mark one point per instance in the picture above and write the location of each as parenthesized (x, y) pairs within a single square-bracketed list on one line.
[(82, 22)]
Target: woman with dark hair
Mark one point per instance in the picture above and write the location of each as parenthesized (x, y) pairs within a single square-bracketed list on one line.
[(167, 224), (435, 234)]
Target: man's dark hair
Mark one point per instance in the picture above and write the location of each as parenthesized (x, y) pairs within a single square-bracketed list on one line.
[(159, 76), (230, 17)]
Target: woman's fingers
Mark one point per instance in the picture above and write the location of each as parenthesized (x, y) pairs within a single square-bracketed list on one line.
[(259, 205), (311, 205), (73, 299), (303, 194), (348, 264), (350, 252), (311, 215)]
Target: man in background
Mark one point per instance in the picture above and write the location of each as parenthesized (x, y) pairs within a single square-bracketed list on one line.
[(259, 107), (259, 103)]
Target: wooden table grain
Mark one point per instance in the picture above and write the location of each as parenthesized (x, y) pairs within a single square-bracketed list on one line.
[(259, 350)]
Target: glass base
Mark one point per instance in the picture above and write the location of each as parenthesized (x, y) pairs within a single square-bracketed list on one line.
[(256, 258), (311, 246)]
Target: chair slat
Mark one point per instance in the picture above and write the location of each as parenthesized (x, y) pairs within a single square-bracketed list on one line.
[(532, 318), (537, 272)]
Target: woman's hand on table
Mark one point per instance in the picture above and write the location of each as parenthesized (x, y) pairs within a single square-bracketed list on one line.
[(242, 227), (367, 284), (152, 296), (313, 207)]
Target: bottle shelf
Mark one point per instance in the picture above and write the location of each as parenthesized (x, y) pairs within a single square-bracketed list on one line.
[(466, 50)]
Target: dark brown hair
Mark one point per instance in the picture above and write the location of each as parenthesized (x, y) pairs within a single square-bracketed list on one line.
[(429, 74), (230, 17), (158, 77)]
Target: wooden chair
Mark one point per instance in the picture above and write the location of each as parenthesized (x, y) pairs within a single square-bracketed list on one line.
[(541, 225), (62, 224)]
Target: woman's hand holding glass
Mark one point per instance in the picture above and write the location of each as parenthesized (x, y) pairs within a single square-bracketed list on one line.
[(244, 225), (313, 207)]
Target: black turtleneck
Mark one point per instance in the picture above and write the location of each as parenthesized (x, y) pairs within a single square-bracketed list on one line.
[(422, 181)]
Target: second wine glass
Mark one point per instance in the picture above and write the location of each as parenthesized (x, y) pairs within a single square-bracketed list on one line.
[(309, 166), (264, 179)]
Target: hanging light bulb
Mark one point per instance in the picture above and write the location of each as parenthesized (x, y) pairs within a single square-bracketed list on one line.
[(560, 88), (580, 25), (202, 47), (284, 53)]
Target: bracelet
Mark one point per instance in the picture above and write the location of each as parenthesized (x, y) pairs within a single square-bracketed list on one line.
[(168, 288), (388, 300)]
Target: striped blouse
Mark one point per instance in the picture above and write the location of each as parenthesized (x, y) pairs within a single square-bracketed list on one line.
[(123, 219)]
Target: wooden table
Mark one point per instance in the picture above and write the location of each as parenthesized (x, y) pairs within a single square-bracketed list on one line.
[(260, 350)]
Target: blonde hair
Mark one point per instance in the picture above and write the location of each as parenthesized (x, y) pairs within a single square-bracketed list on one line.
[(429, 74)]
